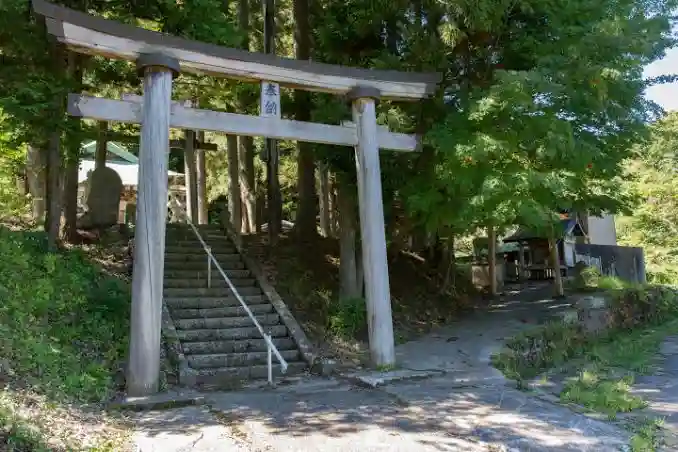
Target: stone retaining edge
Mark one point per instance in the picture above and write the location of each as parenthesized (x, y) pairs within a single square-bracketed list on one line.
[(187, 375), (305, 347)]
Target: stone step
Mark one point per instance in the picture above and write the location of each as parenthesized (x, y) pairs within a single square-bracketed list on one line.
[(241, 346), (203, 335), (237, 359), (189, 302), (225, 322), (201, 265), (201, 257), (217, 281), (228, 376), (196, 248), (199, 292), (233, 311), (202, 274)]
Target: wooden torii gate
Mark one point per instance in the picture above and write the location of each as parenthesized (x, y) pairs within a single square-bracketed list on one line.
[(159, 58)]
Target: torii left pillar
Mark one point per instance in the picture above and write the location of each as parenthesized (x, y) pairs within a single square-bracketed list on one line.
[(149, 241)]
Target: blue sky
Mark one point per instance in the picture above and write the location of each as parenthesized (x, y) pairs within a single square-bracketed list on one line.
[(665, 95)]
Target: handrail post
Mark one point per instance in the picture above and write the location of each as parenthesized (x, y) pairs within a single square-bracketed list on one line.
[(267, 338), (209, 267)]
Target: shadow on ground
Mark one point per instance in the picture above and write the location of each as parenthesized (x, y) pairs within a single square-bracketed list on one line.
[(429, 415)]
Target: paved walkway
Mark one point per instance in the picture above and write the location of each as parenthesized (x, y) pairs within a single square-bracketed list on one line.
[(464, 405), (660, 390)]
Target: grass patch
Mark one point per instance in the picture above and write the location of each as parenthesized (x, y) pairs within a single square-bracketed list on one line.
[(598, 393), (63, 332), (646, 435)]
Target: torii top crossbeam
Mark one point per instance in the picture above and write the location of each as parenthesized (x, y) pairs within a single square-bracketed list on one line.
[(94, 35)]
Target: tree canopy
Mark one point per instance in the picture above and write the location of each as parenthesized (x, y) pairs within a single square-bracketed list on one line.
[(540, 106), (652, 175)]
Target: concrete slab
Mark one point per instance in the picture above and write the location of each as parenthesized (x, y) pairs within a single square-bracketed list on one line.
[(506, 416), (344, 418), (189, 429)]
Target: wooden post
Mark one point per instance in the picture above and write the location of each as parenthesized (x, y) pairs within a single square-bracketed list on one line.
[(190, 176), (324, 192), (149, 240), (234, 202), (102, 145), (492, 259), (555, 262), (201, 180), (521, 262), (380, 322)]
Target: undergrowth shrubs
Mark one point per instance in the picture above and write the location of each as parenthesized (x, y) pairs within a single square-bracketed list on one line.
[(348, 317), (552, 345), (63, 322), (643, 305), (529, 353)]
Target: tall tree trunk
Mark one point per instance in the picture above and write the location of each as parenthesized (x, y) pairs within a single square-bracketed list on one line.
[(325, 208), (102, 145), (70, 208), (273, 195), (248, 197), (234, 204), (555, 264), (190, 182), (349, 276), (36, 178), (305, 226), (334, 217), (201, 182), (492, 259), (451, 265), (53, 172), (247, 193), (53, 190)]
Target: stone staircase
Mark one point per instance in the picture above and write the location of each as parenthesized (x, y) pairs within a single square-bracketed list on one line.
[(213, 338)]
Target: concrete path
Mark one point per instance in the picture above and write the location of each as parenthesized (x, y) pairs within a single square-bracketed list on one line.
[(463, 405)]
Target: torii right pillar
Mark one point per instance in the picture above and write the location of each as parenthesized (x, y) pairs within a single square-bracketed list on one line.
[(373, 236)]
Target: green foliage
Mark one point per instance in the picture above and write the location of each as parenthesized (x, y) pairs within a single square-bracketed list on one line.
[(647, 435), (592, 391), (63, 323), (654, 223), (640, 305), (548, 115), (590, 278), (529, 353), (347, 317)]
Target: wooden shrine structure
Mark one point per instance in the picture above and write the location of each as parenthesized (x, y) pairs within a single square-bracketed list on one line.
[(159, 58)]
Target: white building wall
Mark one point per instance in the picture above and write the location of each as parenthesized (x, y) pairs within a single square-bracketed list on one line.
[(602, 230)]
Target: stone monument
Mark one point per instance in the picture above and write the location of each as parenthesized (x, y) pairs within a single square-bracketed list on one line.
[(102, 199)]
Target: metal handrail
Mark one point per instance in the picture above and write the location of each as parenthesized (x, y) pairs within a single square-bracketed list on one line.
[(270, 346)]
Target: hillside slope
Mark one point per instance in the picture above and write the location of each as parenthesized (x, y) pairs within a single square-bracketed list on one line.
[(307, 277), (64, 322)]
